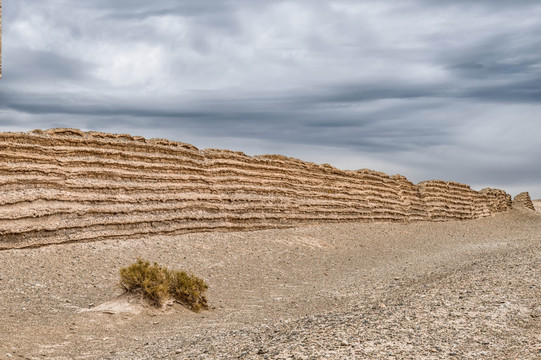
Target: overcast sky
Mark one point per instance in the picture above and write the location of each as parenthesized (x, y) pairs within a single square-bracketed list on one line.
[(428, 89)]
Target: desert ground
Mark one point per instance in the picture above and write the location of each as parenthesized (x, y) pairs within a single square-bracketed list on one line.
[(421, 290)]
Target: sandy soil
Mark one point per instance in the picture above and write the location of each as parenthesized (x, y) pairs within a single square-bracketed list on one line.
[(537, 204), (465, 290)]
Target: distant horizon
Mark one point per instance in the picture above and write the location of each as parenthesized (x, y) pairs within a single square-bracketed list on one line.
[(430, 90)]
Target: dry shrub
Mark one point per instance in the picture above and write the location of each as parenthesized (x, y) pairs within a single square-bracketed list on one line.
[(188, 290), (157, 284)]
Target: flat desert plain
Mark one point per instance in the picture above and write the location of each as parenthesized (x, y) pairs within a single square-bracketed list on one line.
[(423, 290)]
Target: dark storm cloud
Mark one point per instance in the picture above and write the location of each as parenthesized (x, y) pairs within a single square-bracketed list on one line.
[(355, 93), (144, 9), (520, 91), (436, 89), (48, 66)]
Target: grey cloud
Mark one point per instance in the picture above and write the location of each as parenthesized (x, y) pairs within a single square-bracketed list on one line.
[(490, 4), (497, 55), (369, 92), (38, 66), (138, 9), (392, 84), (519, 91)]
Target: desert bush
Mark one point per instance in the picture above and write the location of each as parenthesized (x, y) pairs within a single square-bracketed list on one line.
[(157, 284), (151, 280), (188, 290)]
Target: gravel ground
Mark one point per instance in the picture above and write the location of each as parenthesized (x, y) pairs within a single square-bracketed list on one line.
[(464, 290)]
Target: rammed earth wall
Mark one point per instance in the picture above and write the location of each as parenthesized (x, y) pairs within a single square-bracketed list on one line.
[(64, 185)]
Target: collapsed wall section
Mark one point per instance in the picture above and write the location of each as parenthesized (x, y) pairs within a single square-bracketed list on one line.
[(64, 185), (523, 201), (447, 200), (498, 200)]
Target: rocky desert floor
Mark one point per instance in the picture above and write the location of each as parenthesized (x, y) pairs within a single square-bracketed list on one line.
[(449, 290)]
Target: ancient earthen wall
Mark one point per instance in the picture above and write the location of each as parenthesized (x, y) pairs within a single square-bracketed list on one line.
[(498, 200), (523, 200), (64, 185)]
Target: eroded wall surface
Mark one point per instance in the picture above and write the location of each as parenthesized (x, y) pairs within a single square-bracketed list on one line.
[(524, 201), (64, 185)]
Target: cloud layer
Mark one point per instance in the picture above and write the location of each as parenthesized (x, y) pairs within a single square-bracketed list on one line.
[(446, 89)]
